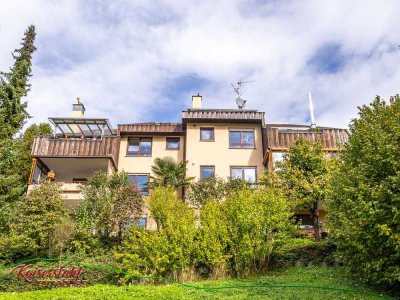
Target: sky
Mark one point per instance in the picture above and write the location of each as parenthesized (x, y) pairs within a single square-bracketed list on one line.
[(141, 61)]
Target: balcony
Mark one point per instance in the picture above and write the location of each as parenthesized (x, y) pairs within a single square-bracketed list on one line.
[(49, 147)]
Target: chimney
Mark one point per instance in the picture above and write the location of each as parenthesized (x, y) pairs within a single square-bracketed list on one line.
[(196, 101), (78, 109)]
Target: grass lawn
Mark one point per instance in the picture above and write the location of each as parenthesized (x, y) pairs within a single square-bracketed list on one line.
[(299, 278)]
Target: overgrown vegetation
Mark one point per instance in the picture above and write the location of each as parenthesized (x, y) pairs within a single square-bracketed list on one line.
[(303, 176), (364, 214), (236, 236)]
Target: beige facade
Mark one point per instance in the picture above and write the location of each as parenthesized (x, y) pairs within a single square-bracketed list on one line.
[(142, 164), (218, 153)]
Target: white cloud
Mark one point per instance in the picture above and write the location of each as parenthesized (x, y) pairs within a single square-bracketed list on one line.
[(123, 57)]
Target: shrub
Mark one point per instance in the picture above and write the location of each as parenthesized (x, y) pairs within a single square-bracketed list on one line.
[(364, 214), (167, 251), (37, 216)]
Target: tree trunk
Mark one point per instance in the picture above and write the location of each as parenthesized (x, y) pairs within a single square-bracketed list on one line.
[(315, 221)]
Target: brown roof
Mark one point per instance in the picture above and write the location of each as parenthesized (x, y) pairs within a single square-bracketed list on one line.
[(330, 138), (223, 115), (151, 128)]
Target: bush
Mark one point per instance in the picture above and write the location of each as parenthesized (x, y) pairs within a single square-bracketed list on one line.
[(167, 251), (303, 251), (364, 214), (236, 236)]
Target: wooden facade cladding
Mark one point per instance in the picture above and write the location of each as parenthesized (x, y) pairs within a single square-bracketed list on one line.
[(47, 146), (330, 138), (151, 128), (223, 115)]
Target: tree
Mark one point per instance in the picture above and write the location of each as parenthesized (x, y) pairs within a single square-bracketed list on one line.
[(33, 224), (212, 188), (364, 212), (13, 87), (109, 204), (24, 147), (303, 175), (169, 172)]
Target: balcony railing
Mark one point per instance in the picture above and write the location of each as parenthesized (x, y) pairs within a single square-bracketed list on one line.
[(47, 146)]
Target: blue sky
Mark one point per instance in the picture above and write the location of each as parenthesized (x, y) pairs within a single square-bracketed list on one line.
[(138, 61)]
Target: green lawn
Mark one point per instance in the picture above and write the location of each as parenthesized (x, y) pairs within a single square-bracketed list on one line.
[(300, 282)]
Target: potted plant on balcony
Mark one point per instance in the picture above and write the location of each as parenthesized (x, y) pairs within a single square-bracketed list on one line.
[(51, 176)]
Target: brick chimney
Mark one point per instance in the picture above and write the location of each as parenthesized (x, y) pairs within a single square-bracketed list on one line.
[(196, 101), (78, 109)]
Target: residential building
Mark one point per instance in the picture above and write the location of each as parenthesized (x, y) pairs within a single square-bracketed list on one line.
[(215, 142)]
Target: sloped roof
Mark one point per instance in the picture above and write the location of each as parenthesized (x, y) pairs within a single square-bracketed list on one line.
[(151, 128)]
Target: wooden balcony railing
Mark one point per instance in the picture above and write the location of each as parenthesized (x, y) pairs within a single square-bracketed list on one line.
[(47, 146)]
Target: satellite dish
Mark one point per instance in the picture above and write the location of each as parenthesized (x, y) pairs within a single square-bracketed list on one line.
[(240, 103)]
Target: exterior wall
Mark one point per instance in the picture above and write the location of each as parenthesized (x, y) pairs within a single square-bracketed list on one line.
[(217, 153), (142, 164)]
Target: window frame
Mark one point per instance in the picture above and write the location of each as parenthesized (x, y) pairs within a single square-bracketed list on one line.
[(207, 167), (213, 134), (243, 168), (172, 137), (139, 153), (141, 191), (241, 144)]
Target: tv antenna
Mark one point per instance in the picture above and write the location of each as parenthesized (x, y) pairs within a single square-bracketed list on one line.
[(237, 88), (311, 110)]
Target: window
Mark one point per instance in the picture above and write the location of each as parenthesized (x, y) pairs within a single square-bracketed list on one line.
[(40, 172), (241, 138), (143, 221), (206, 134), (139, 147), (141, 183), (173, 143), (244, 173), (207, 171)]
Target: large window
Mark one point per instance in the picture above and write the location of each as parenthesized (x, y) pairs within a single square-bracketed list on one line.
[(207, 171), (241, 138), (173, 143), (244, 173), (141, 183), (206, 134), (139, 147)]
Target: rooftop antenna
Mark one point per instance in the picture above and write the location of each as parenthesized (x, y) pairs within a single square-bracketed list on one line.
[(311, 107), (237, 88)]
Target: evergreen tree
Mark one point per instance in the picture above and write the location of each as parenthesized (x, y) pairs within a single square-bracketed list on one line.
[(13, 87)]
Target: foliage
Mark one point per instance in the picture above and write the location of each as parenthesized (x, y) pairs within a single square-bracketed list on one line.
[(110, 203), (38, 215), (235, 236), (23, 145), (169, 172), (364, 213), (296, 283), (13, 87), (212, 188), (301, 251), (304, 176), (167, 251)]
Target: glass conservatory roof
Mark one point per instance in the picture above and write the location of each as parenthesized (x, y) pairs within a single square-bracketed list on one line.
[(81, 127)]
